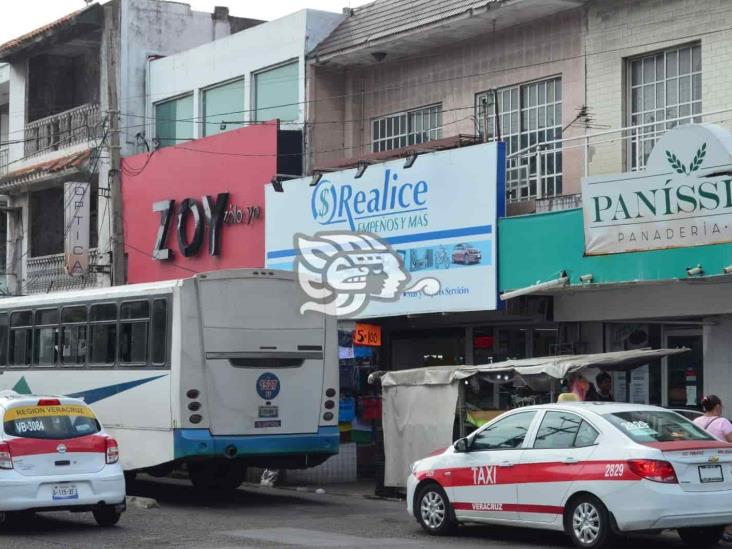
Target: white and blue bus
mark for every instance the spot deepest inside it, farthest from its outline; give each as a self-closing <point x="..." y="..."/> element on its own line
<point x="211" y="374"/>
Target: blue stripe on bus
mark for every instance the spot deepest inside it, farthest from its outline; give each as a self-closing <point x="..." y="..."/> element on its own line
<point x="200" y="442"/>
<point x="95" y="395"/>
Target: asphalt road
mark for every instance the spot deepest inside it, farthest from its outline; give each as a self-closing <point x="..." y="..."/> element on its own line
<point x="267" y="518"/>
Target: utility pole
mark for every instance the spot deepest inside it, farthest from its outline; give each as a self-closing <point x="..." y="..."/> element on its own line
<point x="115" y="171"/>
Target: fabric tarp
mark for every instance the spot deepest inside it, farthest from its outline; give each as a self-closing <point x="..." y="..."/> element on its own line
<point x="417" y="421"/>
<point x="555" y="367"/>
<point x="419" y="404"/>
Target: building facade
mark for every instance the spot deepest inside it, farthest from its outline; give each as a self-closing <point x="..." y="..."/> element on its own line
<point x="658" y="280"/>
<point x="250" y="77"/>
<point x="77" y="95"/>
<point x="576" y="91"/>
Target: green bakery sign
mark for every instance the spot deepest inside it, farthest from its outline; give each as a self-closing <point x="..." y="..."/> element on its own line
<point x="683" y="197"/>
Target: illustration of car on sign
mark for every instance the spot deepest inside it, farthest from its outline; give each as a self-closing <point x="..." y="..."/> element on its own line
<point x="465" y="254"/>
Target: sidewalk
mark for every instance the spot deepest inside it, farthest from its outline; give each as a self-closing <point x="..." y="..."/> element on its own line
<point x="361" y="489"/>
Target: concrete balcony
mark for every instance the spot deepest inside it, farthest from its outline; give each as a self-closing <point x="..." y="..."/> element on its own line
<point x="46" y="274"/>
<point x="52" y="133"/>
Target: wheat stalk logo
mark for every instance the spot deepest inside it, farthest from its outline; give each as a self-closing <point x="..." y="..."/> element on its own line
<point x="679" y="167"/>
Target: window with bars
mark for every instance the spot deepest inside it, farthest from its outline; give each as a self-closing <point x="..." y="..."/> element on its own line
<point x="406" y="128"/>
<point x="530" y="123"/>
<point x="664" y="90"/>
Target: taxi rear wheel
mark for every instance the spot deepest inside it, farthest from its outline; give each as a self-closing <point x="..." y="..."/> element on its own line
<point x="587" y="522"/>
<point x="701" y="536"/>
<point x="433" y="510"/>
<point x="106" y="516"/>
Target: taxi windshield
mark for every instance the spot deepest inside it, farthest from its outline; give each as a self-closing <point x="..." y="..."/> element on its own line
<point x="656" y="426"/>
<point x="50" y="422"/>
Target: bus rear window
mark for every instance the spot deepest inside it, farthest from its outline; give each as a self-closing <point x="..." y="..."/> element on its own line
<point x="656" y="426"/>
<point x="50" y="422"/>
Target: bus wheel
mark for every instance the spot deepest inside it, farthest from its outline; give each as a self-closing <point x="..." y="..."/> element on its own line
<point x="216" y="476"/>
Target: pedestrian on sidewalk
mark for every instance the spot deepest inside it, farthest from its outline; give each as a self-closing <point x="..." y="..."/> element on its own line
<point x="720" y="428"/>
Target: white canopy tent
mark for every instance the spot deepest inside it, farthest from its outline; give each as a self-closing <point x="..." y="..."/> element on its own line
<point x="419" y="404"/>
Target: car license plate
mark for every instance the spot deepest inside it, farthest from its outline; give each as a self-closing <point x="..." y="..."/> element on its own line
<point x="711" y="473"/>
<point x="268" y="411"/>
<point x="66" y="491"/>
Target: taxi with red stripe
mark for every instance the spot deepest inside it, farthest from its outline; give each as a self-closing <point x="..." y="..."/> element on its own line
<point x="55" y="455"/>
<point x="594" y="470"/>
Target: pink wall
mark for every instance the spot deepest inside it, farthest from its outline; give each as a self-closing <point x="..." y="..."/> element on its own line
<point x="238" y="162"/>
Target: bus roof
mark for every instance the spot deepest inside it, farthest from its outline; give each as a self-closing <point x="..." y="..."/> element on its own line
<point x="135" y="290"/>
<point x="110" y="292"/>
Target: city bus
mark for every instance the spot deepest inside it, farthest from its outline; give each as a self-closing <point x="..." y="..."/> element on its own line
<point x="209" y="374"/>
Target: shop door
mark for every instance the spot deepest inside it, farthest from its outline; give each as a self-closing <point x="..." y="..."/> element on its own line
<point x="685" y="372"/>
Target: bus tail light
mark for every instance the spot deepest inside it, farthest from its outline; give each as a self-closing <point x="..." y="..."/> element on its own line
<point x="655" y="470"/>
<point x="6" y="459"/>
<point x="112" y="451"/>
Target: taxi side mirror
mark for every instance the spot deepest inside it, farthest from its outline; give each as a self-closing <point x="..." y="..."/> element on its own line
<point x="462" y="445"/>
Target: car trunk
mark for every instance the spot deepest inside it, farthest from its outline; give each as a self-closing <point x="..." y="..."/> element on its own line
<point x="702" y="466"/>
<point x="36" y="457"/>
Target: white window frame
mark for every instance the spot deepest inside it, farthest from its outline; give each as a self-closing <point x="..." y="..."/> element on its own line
<point x="254" y="117"/>
<point x="530" y="113"/>
<point x="239" y="117"/>
<point x="664" y="93"/>
<point x="156" y="104"/>
<point x="406" y="128"/>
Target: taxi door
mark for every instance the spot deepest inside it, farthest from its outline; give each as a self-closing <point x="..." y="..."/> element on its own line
<point x="484" y="487"/>
<point x="564" y="442"/>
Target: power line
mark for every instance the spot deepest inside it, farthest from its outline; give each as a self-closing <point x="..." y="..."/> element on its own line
<point x="431" y="82"/>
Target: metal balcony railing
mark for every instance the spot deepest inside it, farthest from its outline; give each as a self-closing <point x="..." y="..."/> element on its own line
<point x="531" y="173"/>
<point x="62" y="130"/>
<point x="3" y="161"/>
<point x="46" y="274"/>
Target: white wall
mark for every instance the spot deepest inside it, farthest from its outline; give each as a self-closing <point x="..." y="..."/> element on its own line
<point x="153" y="28"/>
<point x="241" y="54"/>
<point x="16" y="110"/>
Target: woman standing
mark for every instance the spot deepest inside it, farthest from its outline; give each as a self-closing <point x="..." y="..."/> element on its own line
<point x="719" y="427"/>
<point x="712" y="421"/>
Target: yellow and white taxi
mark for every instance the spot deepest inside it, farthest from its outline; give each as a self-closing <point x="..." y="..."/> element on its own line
<point x="593" y="470"/>
<point x="54" y="455"/>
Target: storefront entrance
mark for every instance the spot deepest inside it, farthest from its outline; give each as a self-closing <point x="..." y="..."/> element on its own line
<point x="684" y="373"/>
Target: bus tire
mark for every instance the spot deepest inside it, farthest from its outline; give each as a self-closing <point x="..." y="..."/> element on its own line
<point x="216" y="476"/>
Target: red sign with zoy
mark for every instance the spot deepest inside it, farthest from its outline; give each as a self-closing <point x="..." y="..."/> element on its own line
<point x="198" y="206"/>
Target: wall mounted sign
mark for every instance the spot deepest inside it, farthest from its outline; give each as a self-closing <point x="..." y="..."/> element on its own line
<point x="683" y="198"/>
<point x="207" y="216"/>
<point x="77" y="197"/>
<point x="438" y="217"/>
<point x="198" y="207"/>
<point x="367" y="334"/>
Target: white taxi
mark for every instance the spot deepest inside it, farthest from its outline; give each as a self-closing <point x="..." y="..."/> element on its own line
<point x="55" y="456"/>
<point x="593" y="470"/>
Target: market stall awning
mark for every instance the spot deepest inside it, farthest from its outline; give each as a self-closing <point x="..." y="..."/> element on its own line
<point x="557" y="367"/>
